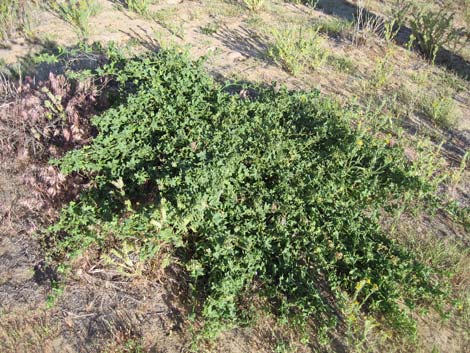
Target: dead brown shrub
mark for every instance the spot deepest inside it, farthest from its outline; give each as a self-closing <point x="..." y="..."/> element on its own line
<point x="43" y="120"/>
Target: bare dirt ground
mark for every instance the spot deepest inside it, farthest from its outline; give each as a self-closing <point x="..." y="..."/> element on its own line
<point x="96" y="311"/>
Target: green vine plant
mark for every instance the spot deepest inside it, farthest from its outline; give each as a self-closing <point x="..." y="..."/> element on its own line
<point x="275" y="194"/>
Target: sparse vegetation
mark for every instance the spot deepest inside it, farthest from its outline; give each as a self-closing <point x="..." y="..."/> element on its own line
<point x="441" y="109"/>
<point x="254" y="5"/>
<point x="433" y="30"/>
<point x="139" y="6"/>
<point x="335" y="27"/>
<point x="367" y="26"/>
<point x="28" y="333"/>
<point x="382" y="72"/>
<point x="15" y="15"/>
<point x="342" y="64"/>
<point x="210" y="29"/>
<point x="166" y="18"/>
<point x="77" y="13"/>
<point x="298" y="49"/>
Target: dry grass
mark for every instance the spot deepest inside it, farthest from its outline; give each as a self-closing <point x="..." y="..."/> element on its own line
<point x="17" y="16"/>
<point x="29" y="332"/>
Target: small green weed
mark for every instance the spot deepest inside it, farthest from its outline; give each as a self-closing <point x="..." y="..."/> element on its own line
<point x="421" y="76"/>
<point x="77" y="13"/>
<point x="397" y="17"/>
<point x="298" y="49"/>
<point x="312" y="3"/>
<point x="139" y="6"/>
<point x="451" y="81"/>
<point x="210" y="29"/>
<point x="441" y="109"/>
<point x="16" y="15"/>
<point x="167" y="18"/>
<point x="133" y="346"/>
<point x="124" y="344"/>
<point x="283" y="347"/>
<point x="383" y="71"/>
<point x="378" y="80"/>
<point x="56" y="292"/>
<point x="342" y="64"/>
<point x="125" y="260"/>
<point x="457" y="175"/>
<point x="335" y="27"/>
<point x="359" y="326"/>
<point x="225" y="8"/>
<point x="254" y="5"/>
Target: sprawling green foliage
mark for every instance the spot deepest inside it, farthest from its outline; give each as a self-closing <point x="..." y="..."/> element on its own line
<point x="270" y="193"/>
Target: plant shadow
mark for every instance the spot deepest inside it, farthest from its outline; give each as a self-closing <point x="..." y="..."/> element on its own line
<point x="244" y="41"/>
